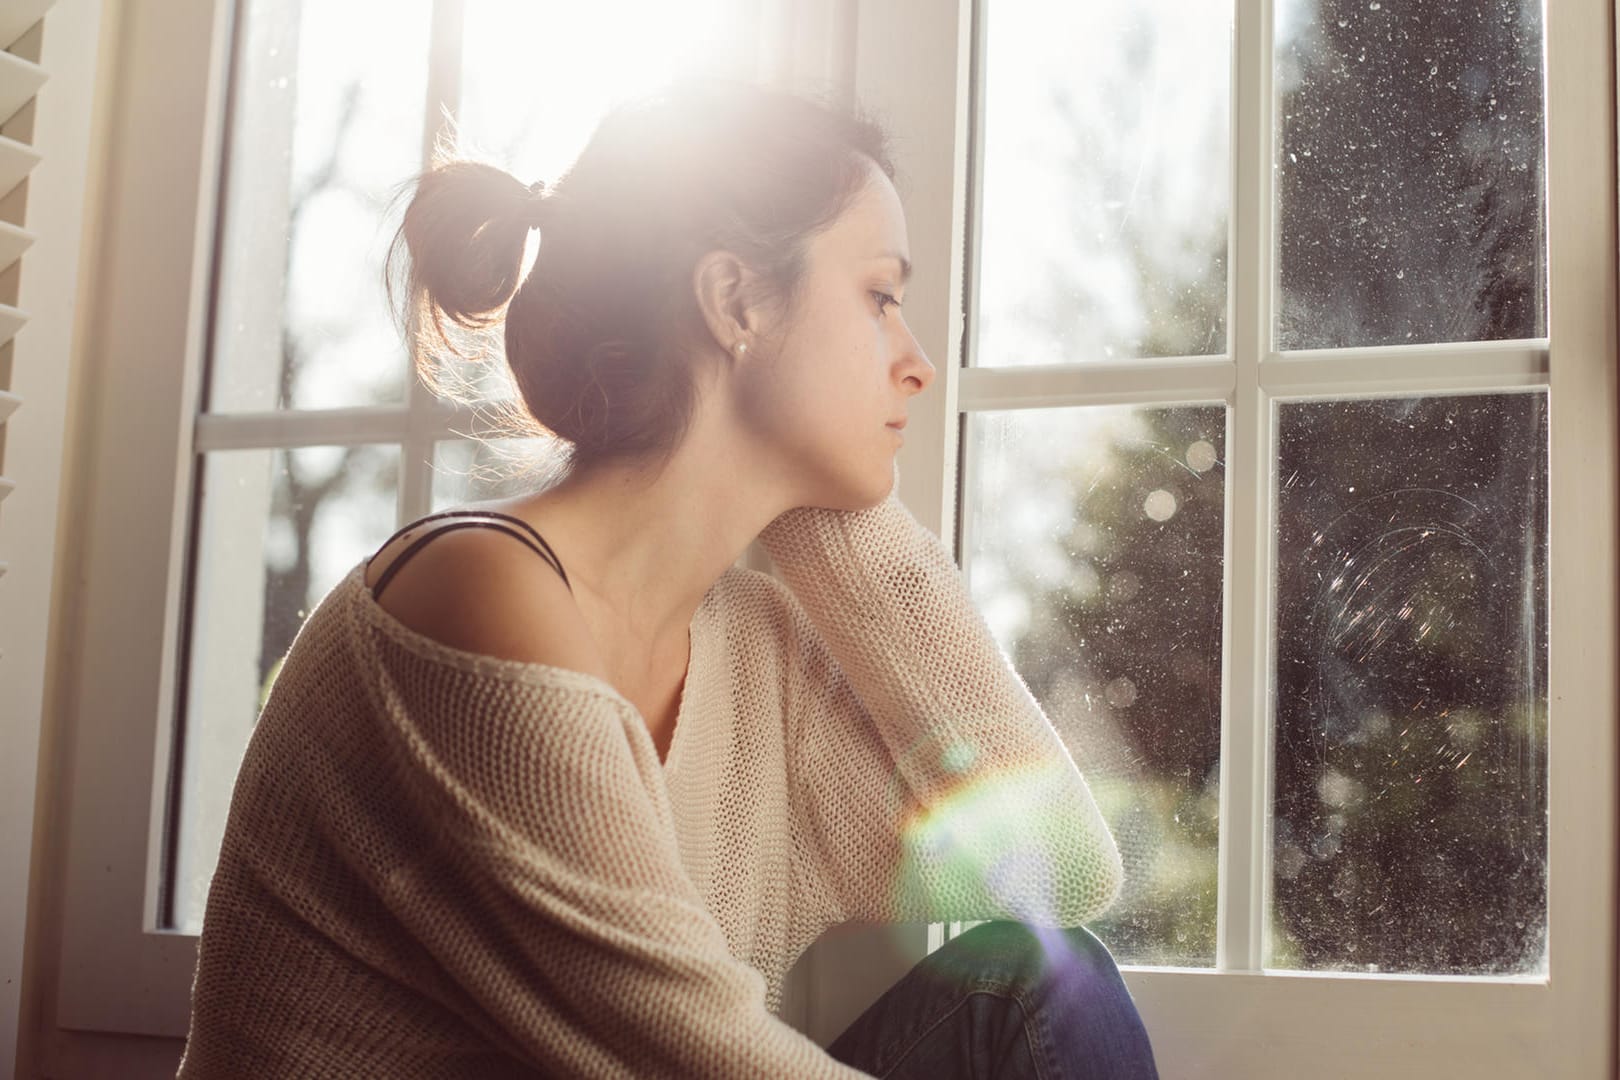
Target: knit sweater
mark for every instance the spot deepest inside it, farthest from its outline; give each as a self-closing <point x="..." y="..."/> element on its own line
<point x="440" y="864"/>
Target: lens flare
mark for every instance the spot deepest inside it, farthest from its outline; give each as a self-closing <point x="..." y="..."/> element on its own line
<point x="991" y="847"/>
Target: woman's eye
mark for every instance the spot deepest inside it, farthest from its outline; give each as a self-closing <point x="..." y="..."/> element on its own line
<point x="884" y="299"/>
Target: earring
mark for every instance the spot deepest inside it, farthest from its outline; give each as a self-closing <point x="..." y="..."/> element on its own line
<point x="742" y="347"/>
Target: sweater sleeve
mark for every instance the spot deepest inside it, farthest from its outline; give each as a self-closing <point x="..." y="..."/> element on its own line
<point x="931" y="784"/>
<point x="544" y="884"/>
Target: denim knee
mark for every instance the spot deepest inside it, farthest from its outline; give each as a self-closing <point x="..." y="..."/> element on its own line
<point x="1071" y="993"/>
<point x="1033" y="959"/>
<point x="1001" y="994"/>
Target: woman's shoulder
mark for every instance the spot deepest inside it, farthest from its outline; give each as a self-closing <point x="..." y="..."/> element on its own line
<point x="485" y="592"/>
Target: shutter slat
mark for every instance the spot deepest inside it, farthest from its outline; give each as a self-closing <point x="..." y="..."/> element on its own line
<point x="6" y="488"/>
<point x="14" y="240"/>
<point x="16" y="16"/>
<point x="19" y="81"/>
<point x="8" y="404"/>
<point x="17" y="160"/>
<point x="11" y="321"/>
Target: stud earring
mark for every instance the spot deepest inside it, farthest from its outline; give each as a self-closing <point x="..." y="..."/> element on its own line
<point x="742" y="347"/>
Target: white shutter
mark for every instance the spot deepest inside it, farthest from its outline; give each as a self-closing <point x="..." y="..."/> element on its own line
<point x="20" y="80"/>
<point x="31" y="440"/>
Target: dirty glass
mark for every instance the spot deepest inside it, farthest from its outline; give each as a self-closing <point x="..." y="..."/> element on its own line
<point x="1410" y="830"/>
<point x="1104" y="195"/>
<point x="279" y="528"/>
<point x="321" y="136"/>
<point x="1409" y="172"/>
<point x="1093" y="544"/>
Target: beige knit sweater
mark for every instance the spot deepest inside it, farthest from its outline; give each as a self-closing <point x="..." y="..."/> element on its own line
<point x="439" y="864"/>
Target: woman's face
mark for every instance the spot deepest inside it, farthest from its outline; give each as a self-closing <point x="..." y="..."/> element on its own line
<point x="832" y="396"/>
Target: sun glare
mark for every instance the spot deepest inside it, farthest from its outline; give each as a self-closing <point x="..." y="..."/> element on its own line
<point x="538" y="75"/>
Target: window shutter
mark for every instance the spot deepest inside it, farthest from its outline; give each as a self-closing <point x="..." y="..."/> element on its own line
<point x="20" y="80"/>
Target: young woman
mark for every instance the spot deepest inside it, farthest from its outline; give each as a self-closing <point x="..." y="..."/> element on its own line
<point x="553" y="788"/>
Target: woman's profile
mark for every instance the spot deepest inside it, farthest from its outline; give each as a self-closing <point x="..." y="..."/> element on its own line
<point x="551" y="787"/>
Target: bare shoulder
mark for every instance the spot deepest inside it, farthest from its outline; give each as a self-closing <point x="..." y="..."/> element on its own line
<point x="484" y="591"/>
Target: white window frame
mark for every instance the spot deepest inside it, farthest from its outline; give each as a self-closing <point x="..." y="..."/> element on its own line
<point x="1239" y="1019"/>
<point x="909" y="61"/>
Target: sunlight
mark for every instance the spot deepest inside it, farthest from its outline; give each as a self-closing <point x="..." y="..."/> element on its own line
<point x="538" y="75"/>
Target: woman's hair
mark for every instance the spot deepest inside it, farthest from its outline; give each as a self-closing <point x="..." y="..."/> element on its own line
<point x="599" y="333"/>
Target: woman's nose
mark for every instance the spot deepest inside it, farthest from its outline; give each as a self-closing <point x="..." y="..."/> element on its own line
<point x="916" y="372"/>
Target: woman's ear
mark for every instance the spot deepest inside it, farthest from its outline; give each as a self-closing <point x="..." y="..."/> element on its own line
<point x="725" y="290"/>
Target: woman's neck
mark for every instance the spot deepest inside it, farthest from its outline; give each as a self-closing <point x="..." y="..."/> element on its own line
<point x="642" y="543"/>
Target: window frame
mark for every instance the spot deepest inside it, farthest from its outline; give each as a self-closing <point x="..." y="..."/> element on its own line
<point x="155" y="282"/>
<point x="1204" y="1021"/>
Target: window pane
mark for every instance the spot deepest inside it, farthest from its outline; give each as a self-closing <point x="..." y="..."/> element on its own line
<point x="1411" y="685"/>
<point x="279" y="528"/>
<point x="322" y="134"/>
<point x="1409" y="173"/>
<point x="1094" y="540"/>
<point x="1104" y="192"/>
<point x="482" y="470"/>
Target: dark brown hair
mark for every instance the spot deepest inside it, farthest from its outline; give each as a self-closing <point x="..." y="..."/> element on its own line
<point x="597" y="335"/>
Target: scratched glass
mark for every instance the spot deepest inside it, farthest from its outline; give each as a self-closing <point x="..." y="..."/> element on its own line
<point x="1104" y="192"/>
<point x="1094" y="543"/>
<point x="1410" y="830"/>
<point x="1409" y="172"/>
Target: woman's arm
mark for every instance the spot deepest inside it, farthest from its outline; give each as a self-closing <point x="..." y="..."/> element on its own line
<point x="933" y="785"/>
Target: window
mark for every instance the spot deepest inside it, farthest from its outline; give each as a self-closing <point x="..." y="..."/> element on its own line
<point x="1406" y="564"/>
<point x="1328" y="382"/>
<point x="314" y="438"/>
<point x="1174" y="377"/>
<point x="275" y="434"/>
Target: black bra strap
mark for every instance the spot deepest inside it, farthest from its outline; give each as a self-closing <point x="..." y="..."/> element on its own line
<point x="529" y="537"/>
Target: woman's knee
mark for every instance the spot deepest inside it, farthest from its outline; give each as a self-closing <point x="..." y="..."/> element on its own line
<point x="1035" y="952"/>
<point x="1065" y="975"/>
<point x="1068" y="987"/>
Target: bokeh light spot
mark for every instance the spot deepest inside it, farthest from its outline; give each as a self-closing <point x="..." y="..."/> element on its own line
<point x="1160" y="505"/>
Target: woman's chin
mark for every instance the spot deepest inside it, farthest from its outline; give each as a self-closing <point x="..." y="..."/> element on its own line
<point x="852" y="493"/>
<point x="874" y="490"/>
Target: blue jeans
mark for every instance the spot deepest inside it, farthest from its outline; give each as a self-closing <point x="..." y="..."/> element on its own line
<point x="1004" y="1000"/>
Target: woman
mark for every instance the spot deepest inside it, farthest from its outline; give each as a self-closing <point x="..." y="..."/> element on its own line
<point x="552" y="788"/>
